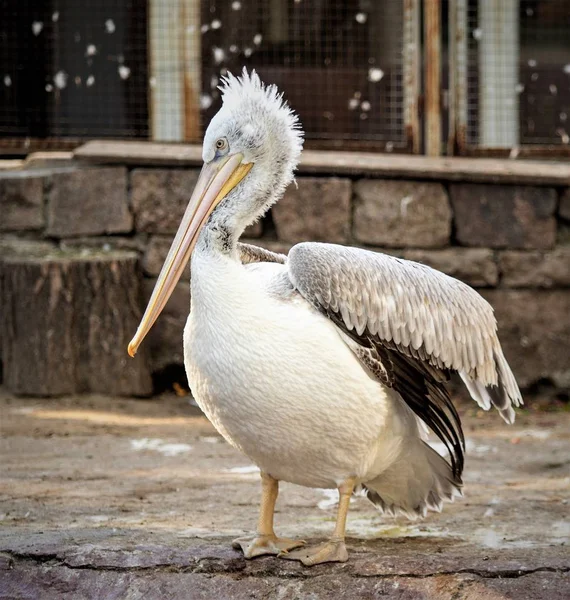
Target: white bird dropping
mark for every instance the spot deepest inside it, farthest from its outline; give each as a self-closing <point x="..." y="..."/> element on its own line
<point x="124" y="72"/>
<point x="218" y="54"/>
<point x="60" y="80"/>
<point x="205" y="101"/>
<point x="375" y="74"/>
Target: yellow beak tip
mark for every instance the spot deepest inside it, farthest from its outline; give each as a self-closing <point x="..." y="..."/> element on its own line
<point x="132" y="350"/>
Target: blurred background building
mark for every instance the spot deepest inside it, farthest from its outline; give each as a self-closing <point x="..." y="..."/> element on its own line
<point x="438" y="77"/>
<point x="422" y="118"/>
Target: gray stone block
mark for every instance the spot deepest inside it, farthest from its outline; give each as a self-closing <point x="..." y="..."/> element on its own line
<point x="159" y="197"/>
<point x="534" y="330"/>
<point x="21" y="201"/>
<point x="536" y="269"/>
<point x="318" y="210"/>
<point x="90" y="201"/>
<point x="155" y="254"/>
<point x="564" y="210"/>
<point x="475" y="266"/>
<point x="401" y="213"/>
<point x="504" y="216"/>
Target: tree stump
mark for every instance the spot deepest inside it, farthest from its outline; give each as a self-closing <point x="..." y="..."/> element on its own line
<point x="66" y="317"/>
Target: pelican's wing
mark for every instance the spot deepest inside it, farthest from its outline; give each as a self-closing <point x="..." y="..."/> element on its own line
<point x="249" y="253"/>
<point x="415" y="323"/>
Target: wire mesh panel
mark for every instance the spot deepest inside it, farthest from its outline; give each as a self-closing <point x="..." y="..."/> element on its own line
<point x="73" y="69"/>
<point x="545" y="72"/>
<point x="339" y="62"/>
<point x="150" y="69"/>
<point x="517" y="74"/>
<point x="126" y="68"/>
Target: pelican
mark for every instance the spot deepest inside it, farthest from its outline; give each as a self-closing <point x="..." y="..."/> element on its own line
<point x="326" y="367"/>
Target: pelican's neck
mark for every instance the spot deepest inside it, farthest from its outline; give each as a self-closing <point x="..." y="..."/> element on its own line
<point x="217" y="239"/>
<point x="216" y="271"/>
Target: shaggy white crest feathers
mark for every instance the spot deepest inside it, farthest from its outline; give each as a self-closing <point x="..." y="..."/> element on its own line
<point x="247" y="96"/>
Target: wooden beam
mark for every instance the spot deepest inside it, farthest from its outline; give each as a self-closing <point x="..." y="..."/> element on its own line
<point x="354" y="164"/>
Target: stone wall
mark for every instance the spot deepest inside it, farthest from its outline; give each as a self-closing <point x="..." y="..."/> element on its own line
<point x="510" y="241"/>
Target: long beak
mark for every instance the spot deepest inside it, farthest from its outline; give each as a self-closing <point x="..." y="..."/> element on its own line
<point x="216" y="180"/>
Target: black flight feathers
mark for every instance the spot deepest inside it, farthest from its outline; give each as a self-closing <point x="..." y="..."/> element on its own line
<point x="421" y="386"/>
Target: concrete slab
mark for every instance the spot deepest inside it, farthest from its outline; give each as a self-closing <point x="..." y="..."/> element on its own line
<point x="114" y="498"/>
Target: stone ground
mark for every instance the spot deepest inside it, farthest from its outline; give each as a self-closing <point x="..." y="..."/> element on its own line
<point x="111" y="498"/>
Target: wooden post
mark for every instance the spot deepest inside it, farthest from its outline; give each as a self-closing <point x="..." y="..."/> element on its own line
<point x="412" y="53"/>
<point x="457" y="136"/>
<point x="66" y="318"/>
<point x="432" y="41"/>
<point x="192" y="42"/>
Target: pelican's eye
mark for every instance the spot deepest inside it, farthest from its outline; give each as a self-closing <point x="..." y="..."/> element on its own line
<point x="221" y="146"/>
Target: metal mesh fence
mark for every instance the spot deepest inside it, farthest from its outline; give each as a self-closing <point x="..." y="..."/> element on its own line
<point x="149" y="69"/>
<point x="120" y="68"/>
<point x="73" y="69"/>
<point x="518" y="73"/>
<point x="340" y="63"/>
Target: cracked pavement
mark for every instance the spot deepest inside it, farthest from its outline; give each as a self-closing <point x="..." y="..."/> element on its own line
<point x="118" y="498"/>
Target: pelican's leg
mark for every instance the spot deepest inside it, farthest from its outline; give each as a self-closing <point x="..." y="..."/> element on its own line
<point x="266" y="542"/>
<point x="334" y="550"/>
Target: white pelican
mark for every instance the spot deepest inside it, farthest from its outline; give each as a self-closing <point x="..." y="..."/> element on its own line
<point x="325" y="367"/>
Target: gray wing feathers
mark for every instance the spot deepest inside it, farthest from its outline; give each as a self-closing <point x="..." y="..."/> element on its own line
<point x="424" y="313"/>
<point x="248" y="253"/>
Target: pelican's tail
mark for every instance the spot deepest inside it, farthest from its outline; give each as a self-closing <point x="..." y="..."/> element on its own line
<point x="420" y="480"/>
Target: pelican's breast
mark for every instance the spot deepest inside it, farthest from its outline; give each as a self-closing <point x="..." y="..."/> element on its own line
<point x="275" y="378"/>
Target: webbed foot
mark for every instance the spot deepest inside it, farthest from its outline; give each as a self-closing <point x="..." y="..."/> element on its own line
<point x="331" y="551"/>
<point x="261" y="545"/>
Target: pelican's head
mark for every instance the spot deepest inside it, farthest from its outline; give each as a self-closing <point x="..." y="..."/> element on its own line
<point x="250" y="151"/>
<point x="256" y="126"/>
